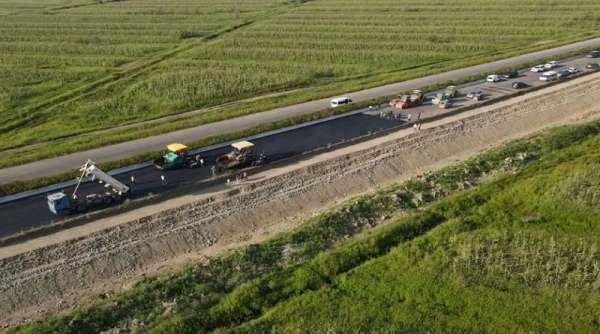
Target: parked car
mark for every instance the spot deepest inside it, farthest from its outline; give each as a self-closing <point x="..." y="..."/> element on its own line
<point x="592" y="66"/>
<point x="494" y="78"/>
<point x="519" y="85"/>
<point x="510" y="75"/>
<point x="475" y="95"/>
<point x="549" y="76"/>
<point x="594" y="54"/>
<point x="538" y="68"/>
<point x="564" y="74"/>
<point x="550" y="65"/>
<point x="573" y="70"/>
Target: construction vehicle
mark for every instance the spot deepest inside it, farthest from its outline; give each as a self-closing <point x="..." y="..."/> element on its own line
<point x="451" y="91"/>
<point x="442" y="100"/>
<point x="61" y="204"/>
<point x="409" y="101"/>
<point x="177" y="157"/>
<point x="241" y="156"/>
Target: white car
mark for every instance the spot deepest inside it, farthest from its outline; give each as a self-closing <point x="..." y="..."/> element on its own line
<point x="340" y="101"/>
<point x="493" y="78"/>
<point x="551" y="65"/>
<point x="572" y="70"/>
<point x="549" y="76"/>
<point x="538" y="68"/>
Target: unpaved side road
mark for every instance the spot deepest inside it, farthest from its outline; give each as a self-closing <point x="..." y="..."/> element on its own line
<point x="53" y="273"/>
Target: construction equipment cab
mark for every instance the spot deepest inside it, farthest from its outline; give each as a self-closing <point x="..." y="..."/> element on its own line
<point x="340" y="101"/>
<point x="408" y="101"/>
<point x="115" y="192"/>
<point x="177" y="156"/>
<point x="242" y="155"/>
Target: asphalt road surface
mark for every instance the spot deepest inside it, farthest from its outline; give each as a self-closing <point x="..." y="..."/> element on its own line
<point x="65" y="163"/>
<point x="33" y="211"/>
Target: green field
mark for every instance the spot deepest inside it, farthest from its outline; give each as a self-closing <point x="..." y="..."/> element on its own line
<point x="69" y="68"/>
<point x="507" y="242"/>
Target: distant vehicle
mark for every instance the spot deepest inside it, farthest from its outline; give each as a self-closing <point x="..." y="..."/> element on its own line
<point x="452" y="91"/>
<point x="538" y="68"/>
<point x="549" y="76"/>
<point x="519" y="85"/>
<point x="475" y="96"/>
<point x="592" y="66"/>
<point x="594" y="54"/>
<point x="550" y="65"/>
<point x="510" y="75"/>
<point x="573" y="70"/>
<point x="442" y="100"/>
<point x="340" y="101"/>
<point x="409" y="101"/>
<point x="494" y="78"/>
<point x="564" y="74"/>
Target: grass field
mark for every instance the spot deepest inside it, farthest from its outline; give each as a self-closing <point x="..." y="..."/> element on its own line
<point x="506" y="242"/>
<point x="68" y="68"/>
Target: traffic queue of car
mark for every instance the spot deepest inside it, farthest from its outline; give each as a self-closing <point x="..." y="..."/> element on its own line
<point x="548" y="72"/>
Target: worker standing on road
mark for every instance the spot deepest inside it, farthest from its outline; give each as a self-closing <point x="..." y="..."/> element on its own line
<point x="132" y="180"/>
<point x="213" y="170"/>
<point x="201" y="162"/>
<point x="163" y="180"/>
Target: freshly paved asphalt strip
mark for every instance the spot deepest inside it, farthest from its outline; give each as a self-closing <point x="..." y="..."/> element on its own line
<point x="33" y="211"/>
<point x="68" y="162"/>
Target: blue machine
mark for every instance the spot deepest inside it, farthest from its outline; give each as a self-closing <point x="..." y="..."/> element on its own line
<point x="58" y="203"/>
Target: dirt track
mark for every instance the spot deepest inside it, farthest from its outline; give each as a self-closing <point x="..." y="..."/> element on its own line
<point x="54" y="272"/>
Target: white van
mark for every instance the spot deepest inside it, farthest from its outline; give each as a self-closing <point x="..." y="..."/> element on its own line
<point x="549" y="76"/>
<point x="340" y="101"/>
<point x="493" y="78"/>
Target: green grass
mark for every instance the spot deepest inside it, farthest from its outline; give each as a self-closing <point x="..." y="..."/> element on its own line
<point x="517" y="253"/>
<point x="68" y="70"/>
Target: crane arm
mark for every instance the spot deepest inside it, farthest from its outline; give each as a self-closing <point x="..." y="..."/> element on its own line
<point x="90" y="168"/>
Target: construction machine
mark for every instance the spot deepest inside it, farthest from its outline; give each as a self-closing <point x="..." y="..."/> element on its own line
<point x="61" y="204"/>
<point x="177" y="157"/>
<point x="408" y="101"/>
<point x="242" y="155"/>
<point x="442" y="100"/>
<point x="452" y="91"/>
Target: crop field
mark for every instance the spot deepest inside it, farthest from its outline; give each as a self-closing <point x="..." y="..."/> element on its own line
<point x="68" y="68"/>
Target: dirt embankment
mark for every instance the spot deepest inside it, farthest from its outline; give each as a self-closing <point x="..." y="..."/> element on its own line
<point x="107" y="254"/>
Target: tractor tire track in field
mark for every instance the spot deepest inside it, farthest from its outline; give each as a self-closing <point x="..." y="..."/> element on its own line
<point x="128" y="71"/>
<point x="132" y="72"/>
